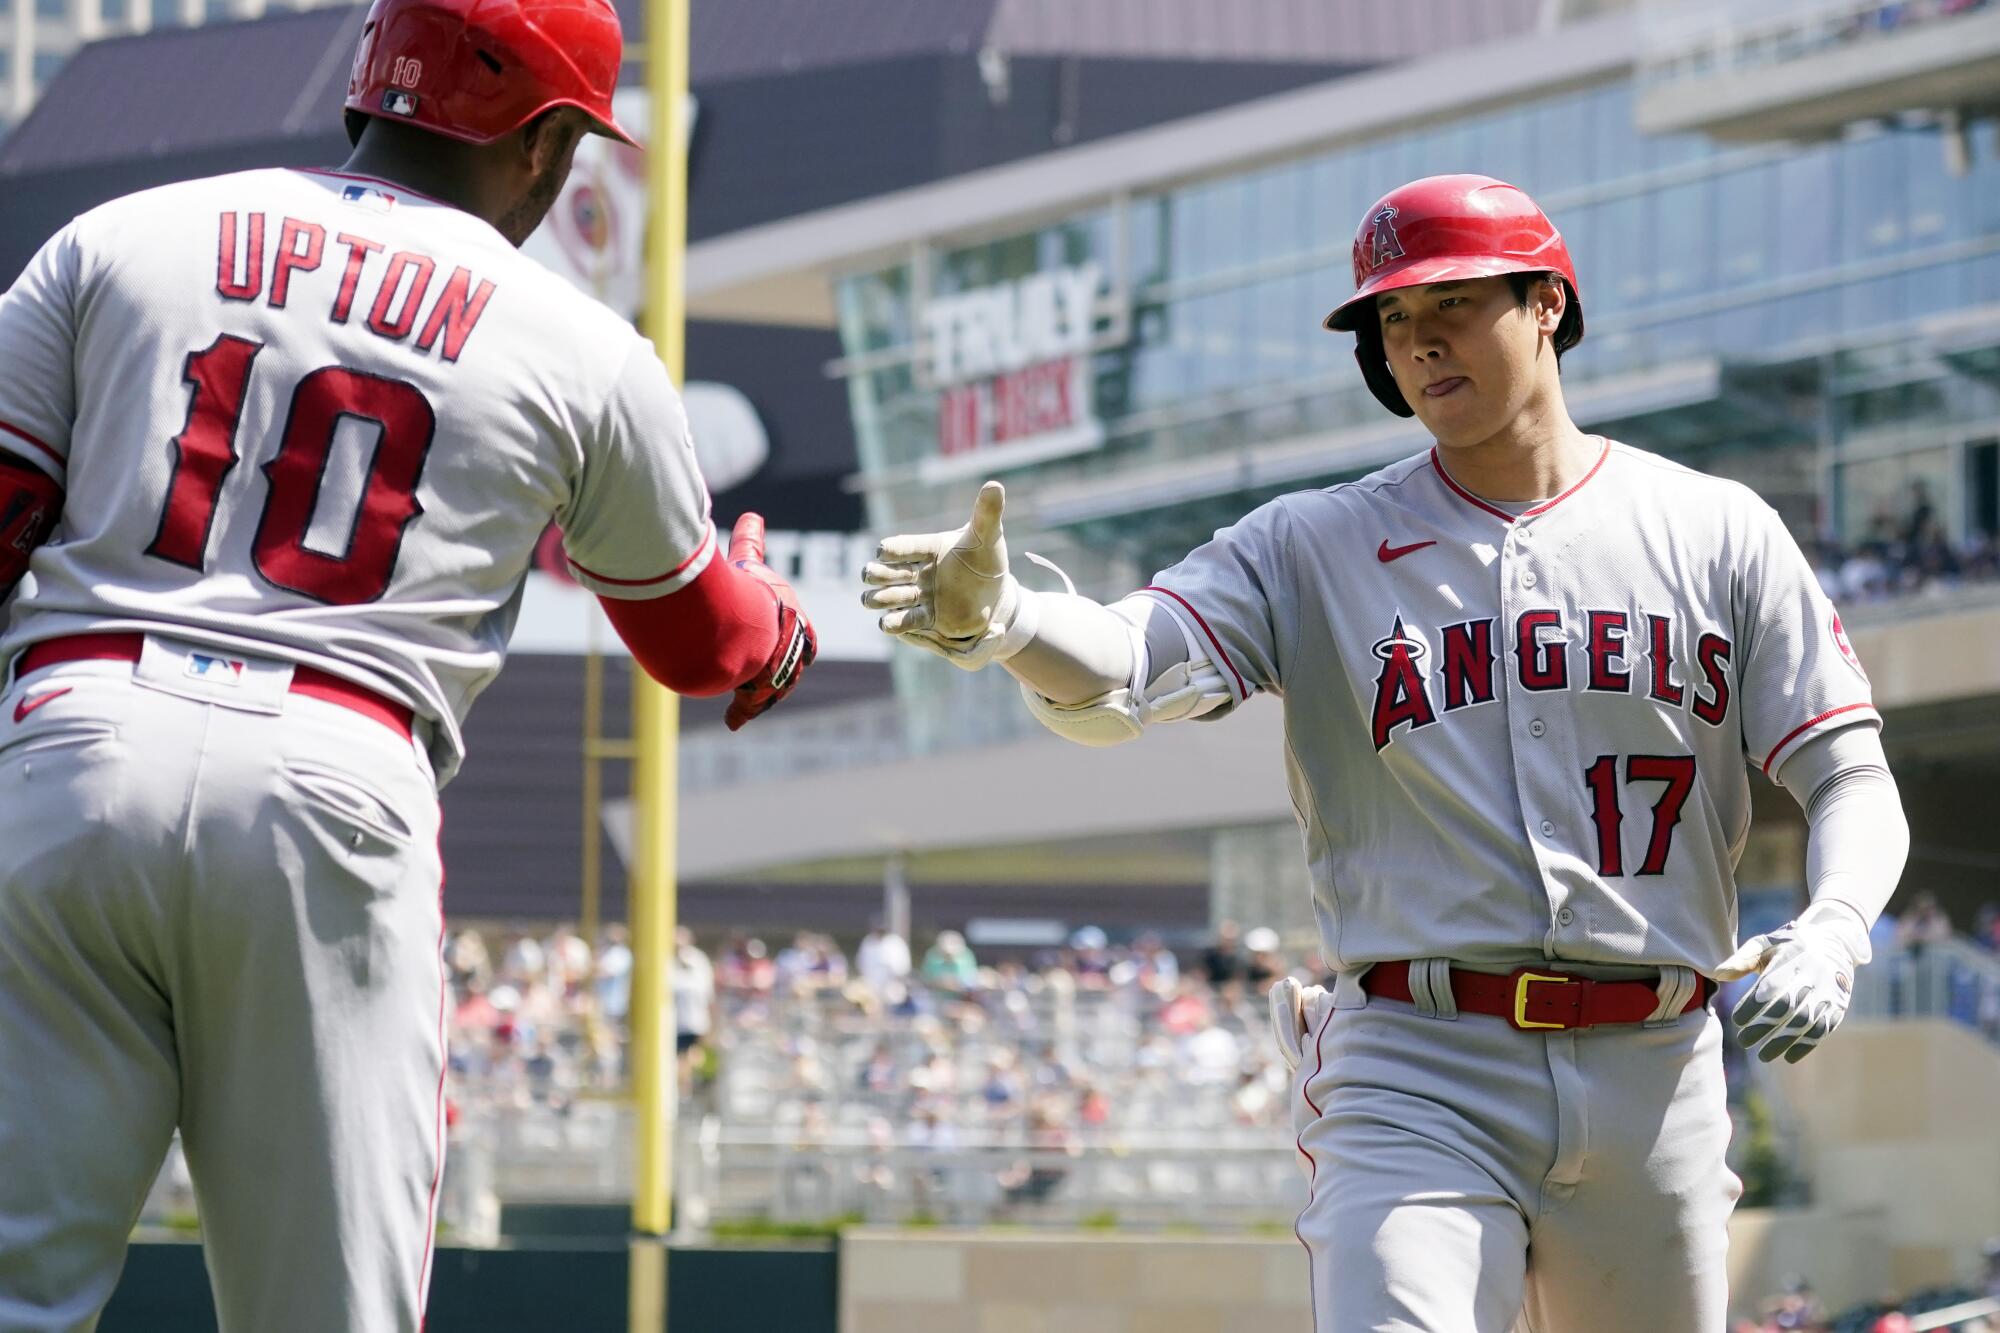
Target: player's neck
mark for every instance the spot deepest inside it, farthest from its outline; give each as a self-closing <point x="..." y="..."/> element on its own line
<point x="438" y="179"/>
<point x="1540" y="453"/>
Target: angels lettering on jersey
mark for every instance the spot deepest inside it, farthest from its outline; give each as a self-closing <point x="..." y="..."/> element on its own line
<point x="1412" y="693"/>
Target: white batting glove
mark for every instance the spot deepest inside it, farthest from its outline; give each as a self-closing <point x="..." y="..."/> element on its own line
<point x="950" y="592"/>
<point x="1296" y="1010"/>
<point x="1807" y="979"/>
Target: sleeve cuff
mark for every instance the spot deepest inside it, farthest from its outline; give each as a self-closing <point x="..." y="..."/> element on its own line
<point x="1182" y="610"/>
<point x="1831" y="719"/>
<point x="635" y="590"/>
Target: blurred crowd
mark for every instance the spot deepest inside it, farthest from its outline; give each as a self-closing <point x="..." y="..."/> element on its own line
<point x="1057" y="1047"/>
<point x="1797" y="1308"/>
<point x="1904" y="555"/>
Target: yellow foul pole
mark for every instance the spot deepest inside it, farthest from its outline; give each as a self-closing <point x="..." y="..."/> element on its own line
<point x="656" y="712"/>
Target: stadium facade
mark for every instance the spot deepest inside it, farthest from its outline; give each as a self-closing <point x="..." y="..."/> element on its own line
<point x="1127" y="333"/>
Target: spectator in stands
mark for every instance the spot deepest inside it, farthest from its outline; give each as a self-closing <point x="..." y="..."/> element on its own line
<point x="1924" y="922"/>
<point x="1089" y="962"/>
<point x="949" y="964"/>
<point x="1263" y="966"/>
<point x="880" y="1074"/>
<point x="614" y="975"/>
<point x="1986" y="926"/>
<point x="747" y="967"/>
<point x="1033" y="1180"/>
<point x="882" y="958"/>
<point x="1797" y="1309"/>
<point x="1223" y="963"/>
<point x="694" y="1001"/>
<point x="1159" y="971"/>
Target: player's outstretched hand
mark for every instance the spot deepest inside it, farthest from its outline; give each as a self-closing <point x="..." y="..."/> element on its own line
<point x="797" y="644"/>
<point x="949" y="591"/>
<point x="1806" y="979"/>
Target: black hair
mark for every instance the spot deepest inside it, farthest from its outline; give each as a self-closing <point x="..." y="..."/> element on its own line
<point x="1569" y="332"/>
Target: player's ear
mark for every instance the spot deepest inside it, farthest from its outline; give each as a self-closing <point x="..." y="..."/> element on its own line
<point x="548" y="137"/>
<point x="1549" y="302"/>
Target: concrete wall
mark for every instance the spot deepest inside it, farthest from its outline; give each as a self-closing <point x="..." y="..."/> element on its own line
<point x="998" y="1282"/>
<point x="1901" y="1116"/>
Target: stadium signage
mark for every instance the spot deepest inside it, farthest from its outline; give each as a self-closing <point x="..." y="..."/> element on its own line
<point x="1012" y="363"/>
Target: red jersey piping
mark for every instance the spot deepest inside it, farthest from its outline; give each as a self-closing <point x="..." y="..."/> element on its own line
<point x="1806" y="726"/>
<point x="1437" y="465"/>
<point x="1242" y="690"/>
<point x="707" y="540"/>
<point x="46" y="448"/>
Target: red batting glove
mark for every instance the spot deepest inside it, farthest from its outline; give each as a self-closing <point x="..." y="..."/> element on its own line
<point x="797" y="644"/>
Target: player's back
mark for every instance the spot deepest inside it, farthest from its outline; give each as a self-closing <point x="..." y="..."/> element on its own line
<point x="320" y="414"/>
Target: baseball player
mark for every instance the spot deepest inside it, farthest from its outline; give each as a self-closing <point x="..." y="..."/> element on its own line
<point x="275" y="451"/>
<point x="1522" y="674"/>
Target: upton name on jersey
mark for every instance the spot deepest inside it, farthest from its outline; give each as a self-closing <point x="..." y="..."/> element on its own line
<point x="1515" y="737"/>
<point x="341" y="415"/>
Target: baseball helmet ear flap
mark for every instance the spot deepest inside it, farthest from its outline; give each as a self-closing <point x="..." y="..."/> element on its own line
<point x="1374" y="363"/>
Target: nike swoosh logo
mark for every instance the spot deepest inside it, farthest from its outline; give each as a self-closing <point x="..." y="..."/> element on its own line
<point x="27" y="706"/>
<point x="1385" y="552"/>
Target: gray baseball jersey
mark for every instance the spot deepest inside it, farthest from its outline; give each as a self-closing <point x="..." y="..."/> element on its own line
<point x="324" y="416"/>
<point x="304" y="422"/>
<point x="1518" y="736"/>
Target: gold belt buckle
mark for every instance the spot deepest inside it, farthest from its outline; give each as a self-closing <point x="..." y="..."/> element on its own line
<point x="1522" y="981"/>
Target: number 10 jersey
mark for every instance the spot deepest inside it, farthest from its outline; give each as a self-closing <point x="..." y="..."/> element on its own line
<point x="326" y="418"/>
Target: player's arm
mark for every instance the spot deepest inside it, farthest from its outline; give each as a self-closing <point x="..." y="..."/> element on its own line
<point x="30" y="501"/>
<point x="1856" y="842"/>
<point x="1808" y="718"/>
<point x="1094" y="674"/>
<point x="637" y="533"/>
<point x="37" y="400"/>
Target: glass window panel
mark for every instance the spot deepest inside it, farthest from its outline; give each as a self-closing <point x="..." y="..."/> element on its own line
<point x="1500" y="146"/>
<point x="1872" y="184"/>
<point x="1616" y="239"/>
<point x="1335" y="196"/>
<point x="1685" y="240"/>
<point x="50" y="9"/>
<point x="1278" y="336"/>
<point x="1147" y="221"/>
<point x="46" y="65"/>
<point x="114" y="11"/>
<point x="166" y="13"/>
<point x="1982" y="184"/>
<point x="1616" y="146"/>
<point x="1562" y="133"/>
<point x="1743" y="216"/>
<point x="1807" y="221"/>
<point x="215" y="10"/>
<point x="1806" y="318"/>
<point x="1278" y="221"/>
<point x="1939" y="207"/>
<point x="1874" y="306"/>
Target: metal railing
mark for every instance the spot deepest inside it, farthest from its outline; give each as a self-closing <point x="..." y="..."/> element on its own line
<point x="1952" y="979"/>
<point x="1681" y="40"/>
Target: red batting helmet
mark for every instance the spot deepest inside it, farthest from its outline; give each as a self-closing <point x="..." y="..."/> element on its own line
<point x="1443" y="229"/>
<point x="477" y="69"/>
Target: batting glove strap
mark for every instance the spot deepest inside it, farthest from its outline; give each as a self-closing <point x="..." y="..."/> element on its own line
<point x="1016" y="620"/>
<point x="797" y="646"/>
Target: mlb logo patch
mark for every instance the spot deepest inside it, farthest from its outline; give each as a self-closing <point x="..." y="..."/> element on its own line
<point x="368" y="197"/>
<point x="221" y="670"/>
<point x="399" y="103"/>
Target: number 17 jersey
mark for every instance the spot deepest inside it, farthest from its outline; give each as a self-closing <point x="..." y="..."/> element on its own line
<point x="326" y="418"/>
<point x="1524" y="736"/>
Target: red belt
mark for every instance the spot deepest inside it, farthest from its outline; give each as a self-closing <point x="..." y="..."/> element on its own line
<point x="1539" y="1001"/>
<point x="309" y="681"/>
